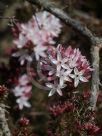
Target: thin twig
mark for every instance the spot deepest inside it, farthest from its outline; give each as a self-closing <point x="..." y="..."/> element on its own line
<point x="95" y="76"/>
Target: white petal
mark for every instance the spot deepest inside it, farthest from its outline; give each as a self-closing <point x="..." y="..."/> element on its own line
<point x="54" y="61"/>
<point x="72" y="75"/>
<point x="83" y="79"/>
<point x="59" y="58"/>
<point x="76" y="71"/>
<point x="36" y="56"/>
<point x="51" y="72"/>
<point x="67" y="79"/>
<point x="20" y="106"/>
<point x="51" y="92"/>
<point x="59" y="92"/>
<point x="27" y="104"/>
<point x="65" y="60"/>
<point x="68" y="72"/>
<point x="61" y="81"/>
<point x="65" y="66"/>
<point x="49" y="85"/>
<point x="58" y="69"/>
<point x="59" y="45"/>
<point x="76" y="82"/>
<point x="22" y="62"/>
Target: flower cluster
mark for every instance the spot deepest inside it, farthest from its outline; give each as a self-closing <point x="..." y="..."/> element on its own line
<point x="23" y="91"/>
<point x="60" y="108"/>
<point x="73" y="114"/>
<point x="63" y="66"/>
<point x="36" y="35"/>
<point x="22" y="127"/>
<point x="90" y="128"/>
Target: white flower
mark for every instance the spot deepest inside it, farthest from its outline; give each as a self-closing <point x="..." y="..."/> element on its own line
<point x="23" y="102"/>
<point x="23" y="55"/>
<point x="24" y="80"/>
<point x="55" y="88"/>
<point x="21" y="41"/>
<point x="49" y="23"/>
<point x="39" y="51"/>
<point x="60" y="62"/>
<point x="78" y="76"/>
<point x="64" y="76"/>
<point x="42" y="28"/>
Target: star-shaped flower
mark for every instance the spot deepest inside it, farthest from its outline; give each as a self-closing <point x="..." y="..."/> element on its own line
<point x="60" y="62"/>
<point x="55" y="88"/>
<point x="64" y="76"/>
<point x="78" y="76"/>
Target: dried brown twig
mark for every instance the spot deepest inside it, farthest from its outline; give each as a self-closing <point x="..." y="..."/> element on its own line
<point x="96" y="42"/>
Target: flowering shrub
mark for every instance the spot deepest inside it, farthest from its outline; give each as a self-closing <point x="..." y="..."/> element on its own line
<point x="42" y="62"/>
<point x="60" y="69"/>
